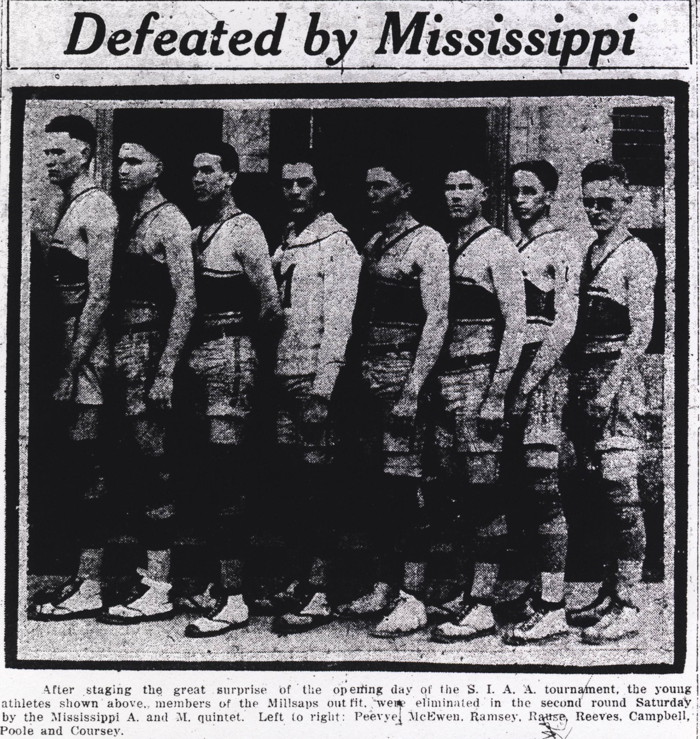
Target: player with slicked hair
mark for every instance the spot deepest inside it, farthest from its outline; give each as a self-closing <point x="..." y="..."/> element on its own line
<point x="614" y="329"/>
<point x="236" y="299"/>
<point x="407" y="287"/>
<point x="318" y="268"/>
<point x="551" y="262"/>
<point x="483" y="345"/>
<point x="80" y="260"/>
<point x="153" y="305"/>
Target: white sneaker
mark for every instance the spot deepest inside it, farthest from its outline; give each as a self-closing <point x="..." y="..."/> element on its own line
<point x="153" y="604"/>
<point x="231" y="612"/>
<point x="475" y="620"/>
<point x="621" y="621"/>
<point x="198" y="602"/>
<point x="368" y="605"/>
<point x="77" y="599"/>
<point x="407" y="615"/>
<point x="541" y="627"/>
<point x="316" y="612"/>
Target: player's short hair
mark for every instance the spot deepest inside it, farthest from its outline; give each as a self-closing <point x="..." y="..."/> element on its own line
<point x="474" y="170"/>
<point x="541" y="168"/>
<point x="76" y="127"/>
<point x="398" y="166"/>
<point x="304" y="156"/>
<point x="226" y="153"/>
<point x="604" y="169"/>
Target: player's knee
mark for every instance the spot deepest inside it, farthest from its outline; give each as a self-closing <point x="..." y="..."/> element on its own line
<point x="85" y="424"/>
<point x="555" y="526"/>
<point x="619" y="465"/>
<point x="541" y="457"/>
<point x="225" y="431"/>
<point x="149" y="437"/>
<point x="482" y="468"/>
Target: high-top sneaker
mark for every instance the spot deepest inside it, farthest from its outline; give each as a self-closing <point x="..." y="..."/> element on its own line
<point x="316" y="612"/>
<point x="76" y="598"/>
<point x="229" y="613"/>
<point x="592" y="612"/>
<point x="620" y="621"/>
<point x="370" y="604"/>
<point x="407" y="615"/>
<point x="151" y="604"/>
<point x="474" y="620"/>
<point x="545" y="624"/>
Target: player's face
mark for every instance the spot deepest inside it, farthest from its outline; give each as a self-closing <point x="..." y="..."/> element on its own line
<point x="464" y="195"/>
<point x="138" y="168"/>
<point x="605" y="203"/>
<point x="528" y="197"/>
<point x="386" y="194"/>
<point x="209" y="181"/>
<point x="300" y="188"/>
<point x="65" y="156"/>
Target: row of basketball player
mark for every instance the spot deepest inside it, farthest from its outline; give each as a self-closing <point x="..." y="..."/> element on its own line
<point x="490" y="319"/>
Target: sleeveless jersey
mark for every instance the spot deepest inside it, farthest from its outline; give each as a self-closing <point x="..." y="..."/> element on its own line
<point x="67" y="255"/>
<point x="225" y="297"/>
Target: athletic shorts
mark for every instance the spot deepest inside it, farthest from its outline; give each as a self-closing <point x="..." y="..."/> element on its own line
<point x="136" y="358"/>
<point x="385" y="376"/>
<point x="617" y="434"/>
<point x="315" y="443"/>
<point x="461" y="448"/>
<point x="539" y="434"/>
<point x="91" y="374"/>
<point x="223" y="373"/>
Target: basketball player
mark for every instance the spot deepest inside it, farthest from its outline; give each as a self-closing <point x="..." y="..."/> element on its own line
<point x="407" y="284"/>
<point x="613" y="332"/>
<point x="484" y="342"/>
<point x="80" y="261"/>
<point x="551" y="267"/>
<point x="318" y="270"/>
<point x="153" y="298"/>
<point x="236" y="297"/>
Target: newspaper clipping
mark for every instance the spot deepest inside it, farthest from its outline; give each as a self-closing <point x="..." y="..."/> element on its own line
<point x="351" y="368"/>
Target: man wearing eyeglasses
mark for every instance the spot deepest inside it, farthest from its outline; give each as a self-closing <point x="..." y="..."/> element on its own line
<point x="614" y="329"/>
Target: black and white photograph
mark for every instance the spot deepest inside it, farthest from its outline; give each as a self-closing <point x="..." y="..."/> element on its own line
<point x="366" y="378"/>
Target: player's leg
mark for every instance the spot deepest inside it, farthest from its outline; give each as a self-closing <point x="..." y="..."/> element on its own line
<point x="477" y="470"/>
<point x="226" y="368"/>
<point x="619" y="450"/>
<point x="545" y="521"/>
<point x="150" y="496"/>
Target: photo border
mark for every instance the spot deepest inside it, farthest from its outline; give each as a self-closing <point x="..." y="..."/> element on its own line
<point x="675" y="89"/>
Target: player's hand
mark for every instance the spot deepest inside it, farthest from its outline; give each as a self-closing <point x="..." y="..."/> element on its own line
<point x="519" y="405"/>
<point x="316" y="410"/>
<point x="161" y="394"/>
<point x="491" y="416"/>
<point x="65" y="389"/>
<point x="599" y="407"/>
<point x="403" y="414"/>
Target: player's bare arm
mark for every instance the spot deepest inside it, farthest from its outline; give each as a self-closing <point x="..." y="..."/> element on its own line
<point x="99" y="234"/>
<point x="640" y="302"/>
<point x="435" y="293"/>
<point x="560" y="333"/>
<point x="178" y="256"/>
<point x="507" y="277"/>
<point x="254" y="257"/>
